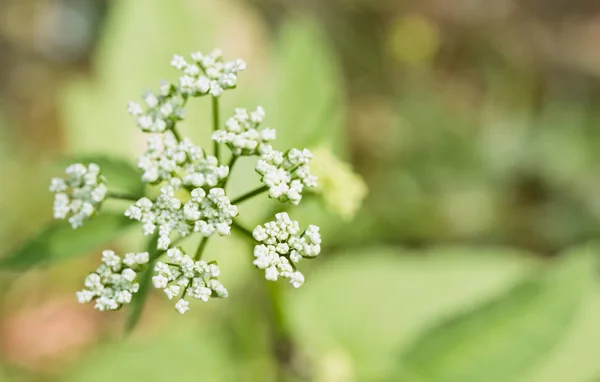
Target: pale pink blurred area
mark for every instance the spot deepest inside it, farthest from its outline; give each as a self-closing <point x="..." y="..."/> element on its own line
<point x="48" y="336"/>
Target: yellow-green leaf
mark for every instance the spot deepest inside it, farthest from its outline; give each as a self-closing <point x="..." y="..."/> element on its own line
<point x="58" y="241"/>
<point x="502" y="339"/>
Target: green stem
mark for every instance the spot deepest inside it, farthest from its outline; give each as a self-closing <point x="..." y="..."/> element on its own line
<point x="123" y="196"/>
<point x="176" y="133"/>
<point x="200" y="249"/>
<point x="283" y="345"/>
<point x="249" y="195"/>
<point x="244" y="231"/>
<point x="139" y="301"/>
<point x="215" y="111"/>
<point x="232" y="161"/>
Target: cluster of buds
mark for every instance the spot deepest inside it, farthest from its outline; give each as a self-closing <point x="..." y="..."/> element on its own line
<point x="242" y="134"/>
<point x="285" y="174"/>
<point x="114" y="282"/>
<point x="207" y="74"/>
<point x="80" y="195"/>
<point x="283" y="246"/>
<point x="181" y="276"/>
<point x="205" y="213"/>
<point x="179" y="163"/>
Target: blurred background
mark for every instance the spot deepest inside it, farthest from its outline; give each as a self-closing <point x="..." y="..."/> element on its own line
<point x="473" y="123"/>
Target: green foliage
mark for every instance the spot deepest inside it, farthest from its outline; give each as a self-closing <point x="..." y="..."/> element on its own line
<point x="368" y="302"/>
<point x="181" y="352"/>
<point x="145" y="280"/>
<point x="460" y="314"/>
<point x="576" y="357"/>
<point x="307" y="104"/>
<point x="58" y="241"/>
<point x="95" y="110"/>
<point x="503" y="338"/>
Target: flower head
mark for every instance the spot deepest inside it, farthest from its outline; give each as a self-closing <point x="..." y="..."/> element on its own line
<point x="207" y="213"/>
<point x="342" y="189"/>
<point x="207" y="73"/>
<point x="182" y="277"/>
<point x="286" y="174"/>
<point x="283" y="246"/>
<point x="113" y="283"/>
<point x="80" y="194"/>
<point x="242" y="134"/>
<point x="179" y="163"/>
<point x="162" y="110"/>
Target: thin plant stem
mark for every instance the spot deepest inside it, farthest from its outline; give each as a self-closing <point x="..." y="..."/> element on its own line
<point x="283" y="345"/>
<point x="232" y="161"/>
<point x="249" y="195"/>
<point x="176" y="133"/>
<point x="215" y="112"/>
<point x="244" y="231"/>
<point x="200" y="249"/>
<point x="123" y="196"/>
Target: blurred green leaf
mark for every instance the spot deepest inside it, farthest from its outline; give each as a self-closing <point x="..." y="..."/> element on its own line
<point x="367" y="302"/>
<point x="58" y="241"/>
<point x="138" y="301"/>
<point x="307" y="107"/>
<point x="576" y="357"/>
<point x="120" y="174"/>
<point x="504" y="338"/>
<point x="181" y="352"/>
<point x="94" y="111"/>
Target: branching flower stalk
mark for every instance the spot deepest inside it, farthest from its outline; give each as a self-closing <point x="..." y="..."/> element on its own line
<point x="193" y="198"/>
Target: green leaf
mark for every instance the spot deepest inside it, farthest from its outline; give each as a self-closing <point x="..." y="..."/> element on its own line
<point x="59" y="242"/>
<point x="307" y="108"/>
<point x="120" y="174"/>
<point x="139" y="299"/>
<point x="182" y="351"/>
<point x="94" y="111"/>
<point x="501" y="340"/>
<point x="366" y="303"/>
<point x="576" y="357"/>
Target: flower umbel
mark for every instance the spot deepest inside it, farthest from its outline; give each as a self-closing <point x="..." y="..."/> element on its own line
<point x="179" y="163"/>
<point x="114" y="282"/>
<point x="286" y="174"/>
<point x="188" y="195"/>
<point x="283" y="246"/>
<point x="242" y="134"/>
<point x="181" y="277"/>
<point x="205" y="213"/>
<point x="80" y="194"/>
<point x="342" y="189"/>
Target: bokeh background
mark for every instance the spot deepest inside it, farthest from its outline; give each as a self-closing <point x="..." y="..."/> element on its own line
<point x="474" y="123"/>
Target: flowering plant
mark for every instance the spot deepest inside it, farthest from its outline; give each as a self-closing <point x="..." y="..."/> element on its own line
<point x="193" y="197"/>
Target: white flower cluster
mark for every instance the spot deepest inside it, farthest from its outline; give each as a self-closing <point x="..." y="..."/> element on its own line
<point x="204" y="213"/>
<point x="283" y="246"/>
<point x="192" y="198"/>
<point x="242" y="134"/>
<point x="193" y="279"/>
<point x="179" y="163"/>
<point x="163" y="110"/>
<point x="212" y="212"/>
<point x="286" y="174"/>
<point x="113" y="283"/>
<point x="207" y="74"/>
<point x="80" y="194"/>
